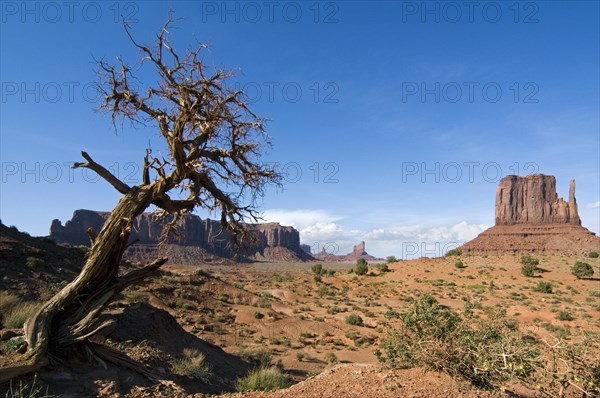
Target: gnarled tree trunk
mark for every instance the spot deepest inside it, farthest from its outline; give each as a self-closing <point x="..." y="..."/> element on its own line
<point x="61" y="326"/>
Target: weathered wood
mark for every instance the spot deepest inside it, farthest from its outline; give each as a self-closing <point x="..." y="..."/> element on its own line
<point x="73" y="311"/>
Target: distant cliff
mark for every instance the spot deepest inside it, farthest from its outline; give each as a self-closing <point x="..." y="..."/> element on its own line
<point x="194" y="240"/>
<point x="358" y="251"/>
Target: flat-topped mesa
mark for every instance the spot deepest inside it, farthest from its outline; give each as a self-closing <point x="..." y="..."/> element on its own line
<point x="532" y="200"/>
<point x="194" y="240"/>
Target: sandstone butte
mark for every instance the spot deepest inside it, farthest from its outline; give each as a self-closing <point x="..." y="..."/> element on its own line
<point x="531" y="218"/>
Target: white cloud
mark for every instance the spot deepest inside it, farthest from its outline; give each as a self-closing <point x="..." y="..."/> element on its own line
<point x="593" y="205"/>
<point x="458" y="232"/>
<point x="321" y="228"/>
<point x="318" y="228"/>
<point x="409" y="241"/>
<point x="300" y="219"/>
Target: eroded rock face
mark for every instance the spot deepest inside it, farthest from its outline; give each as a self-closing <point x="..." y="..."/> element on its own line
<point x="359" y="250"/>
<point x="193" y="238"/>
<point x="531" y="218"/>
<point x="532" y="200"/>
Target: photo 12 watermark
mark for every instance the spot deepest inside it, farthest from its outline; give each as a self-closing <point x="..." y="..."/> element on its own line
<point x="289" y="92"/>
<point x="455" y="172"/>
<point x="49" y="92"/>
<point x="131" y="172"/>
<point x="453" y="12"/>
<point x="52" y="12"/>
<point x="469" y="92"/>
<point x="317" y="12"/>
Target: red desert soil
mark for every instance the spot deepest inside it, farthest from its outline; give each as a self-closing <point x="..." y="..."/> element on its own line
<point x="365" y="381"/>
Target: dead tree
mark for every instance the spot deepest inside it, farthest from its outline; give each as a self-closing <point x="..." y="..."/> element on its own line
<point x="214" y="143"/>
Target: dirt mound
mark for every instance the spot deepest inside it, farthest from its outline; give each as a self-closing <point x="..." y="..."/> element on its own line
<point x="142" y="322"/>
<point x="361" y="381"/>
<point x="152" y="338"/>
<point x="35" y="267"/>
<point x="556" y="239"/>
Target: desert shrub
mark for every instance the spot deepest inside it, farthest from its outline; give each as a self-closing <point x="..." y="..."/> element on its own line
<point x="258" y="315"/>
<point x="572" y="362"/>
<point x="435" y="337"/>
<point x="146" y="352"/>
<point x="528" y="270"/>
<point x="529" y="266"/>
<point x="582" y="270"/>
<point x="382" y="267"/>
<point x="318" y="278"/>
<point x="543" y="287"/>
<point x="459" y="264"/>
<point x="331" y="358"/>
<point x="7" y="301"/>
<point x="391" y="314"/>
<point x="15" y="314"/>
<point x="593" y="254"/>
<point x="453" y="252"/>
<point x="565" y="316"/>
<point x="354" y="319"/>
<point x="391" y="259"/>
<point x="317" y="269"/>
<point x="361" y="267"/>
<point x="136" y="296"/>
<point x="529" y="260"/>
<point x="15" y="343"/>
<point x="25" y="391"/>
<point x="33" y="262"/>
<point x="192" y="366"/>
<point x="335" y="309"/>
<point x="262" y="379"/>
<point x="259" y="357"/>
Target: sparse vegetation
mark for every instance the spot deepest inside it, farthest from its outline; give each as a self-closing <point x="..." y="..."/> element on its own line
<point x="565" y="316"/>
<point x="26" y="391"/>
<point x="262" y="379"/>
<point x="391" y="259"/>
<point x="14" y="312"/>
<point x="435" y="337"/>
<point x="354" y="319"/>
<point x="361" y="267"/>
<point x="582" y="270"/>
<point x="331" y="358"/>
<point x="33" y="262"/>
<point x="259" y="357"/>
<point x="453" y="252"/>
<point x="192" y="366"/>
<point x="593" y="254"/>
<point x="382" y="267"/>
<point x="317" y="269"/>
<point x="529" y="260"/>
<point x="543" y="287"/>
<point x="529" y="265"/>
<point x="15" y="343"/>
<point x="459" y="264"/>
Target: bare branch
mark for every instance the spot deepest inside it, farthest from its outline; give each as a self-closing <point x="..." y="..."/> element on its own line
<point x="103" y="172"/>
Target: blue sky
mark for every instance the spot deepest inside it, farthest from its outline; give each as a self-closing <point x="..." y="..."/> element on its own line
<point x="392" y="121"/>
